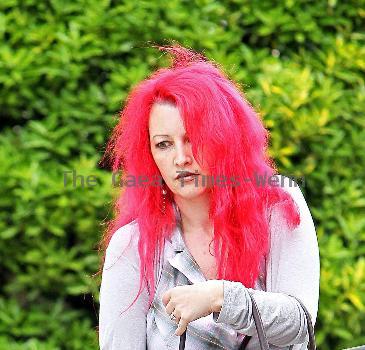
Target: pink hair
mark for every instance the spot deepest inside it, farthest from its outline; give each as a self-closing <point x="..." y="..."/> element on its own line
<point x="228" y="136"/>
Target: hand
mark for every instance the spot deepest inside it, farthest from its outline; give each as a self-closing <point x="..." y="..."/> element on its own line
<point x="188" y="303"/>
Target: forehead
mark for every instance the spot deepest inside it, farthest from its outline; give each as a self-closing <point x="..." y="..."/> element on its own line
<point x="165" y="119"/>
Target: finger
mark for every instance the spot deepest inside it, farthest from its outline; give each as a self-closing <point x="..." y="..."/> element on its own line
<point x="181" y="327"/>
<point x="170" y="307"/>
<point x="177" y="316"/>
<point x="166" y="297"/>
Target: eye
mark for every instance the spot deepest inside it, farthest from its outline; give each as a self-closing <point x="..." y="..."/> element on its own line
<point x="162" y="145"/>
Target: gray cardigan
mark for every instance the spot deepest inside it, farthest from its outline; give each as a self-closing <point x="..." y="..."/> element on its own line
<point x="292" y="267"/>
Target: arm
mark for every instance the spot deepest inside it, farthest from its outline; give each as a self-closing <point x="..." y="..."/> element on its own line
<point x="120" y="284"/>
<point x="292" y="268"/>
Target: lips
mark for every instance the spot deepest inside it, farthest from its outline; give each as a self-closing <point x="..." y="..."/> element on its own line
<point x="184" y="174"/>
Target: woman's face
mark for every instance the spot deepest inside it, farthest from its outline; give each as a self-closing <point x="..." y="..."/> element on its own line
<point x="171" y="150"/>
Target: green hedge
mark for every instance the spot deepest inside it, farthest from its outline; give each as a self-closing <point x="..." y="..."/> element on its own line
<point x="65" y="70"/>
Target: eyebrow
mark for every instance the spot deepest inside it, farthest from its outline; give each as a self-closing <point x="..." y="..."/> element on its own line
<point x="164" y="135"/>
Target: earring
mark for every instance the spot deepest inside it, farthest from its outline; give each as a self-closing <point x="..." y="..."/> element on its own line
<point x="164" y="192"/>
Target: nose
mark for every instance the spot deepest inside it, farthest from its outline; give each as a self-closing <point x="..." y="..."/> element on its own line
<point x="183" y="156"/>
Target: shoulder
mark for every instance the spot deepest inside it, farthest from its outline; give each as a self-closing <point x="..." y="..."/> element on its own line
<point x="293" y="265"/>
<point x="124" y="242"/>
<point x="305" y="231"/>
<point x="291" y="187"/>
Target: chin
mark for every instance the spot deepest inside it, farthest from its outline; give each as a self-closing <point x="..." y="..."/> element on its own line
<point x="190" y="193"/>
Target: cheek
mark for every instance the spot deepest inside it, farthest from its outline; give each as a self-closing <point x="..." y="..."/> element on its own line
<point x="161" y="162"/>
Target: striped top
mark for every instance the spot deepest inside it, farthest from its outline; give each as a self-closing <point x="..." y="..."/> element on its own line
<point x="291" y="267"/>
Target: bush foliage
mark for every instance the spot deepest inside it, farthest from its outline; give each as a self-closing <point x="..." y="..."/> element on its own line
<point x="65" y="70"/>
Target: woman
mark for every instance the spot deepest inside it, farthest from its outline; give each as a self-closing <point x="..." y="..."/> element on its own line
<point x="201" y="221"/>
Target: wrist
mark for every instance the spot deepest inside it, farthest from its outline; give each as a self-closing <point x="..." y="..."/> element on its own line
<point x="217" y="295"/>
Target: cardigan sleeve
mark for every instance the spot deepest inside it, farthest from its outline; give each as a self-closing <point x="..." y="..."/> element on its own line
<point x="292" y="267"/>
<point x="119" y="287"/>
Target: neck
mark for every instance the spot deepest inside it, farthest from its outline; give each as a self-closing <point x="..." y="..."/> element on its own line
<point x="195" y="215"/>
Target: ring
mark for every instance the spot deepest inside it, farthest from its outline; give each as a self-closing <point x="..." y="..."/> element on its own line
<point x="172" y="317"/>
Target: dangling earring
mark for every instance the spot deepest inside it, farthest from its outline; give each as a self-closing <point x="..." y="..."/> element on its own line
<point x="164" y="192"/>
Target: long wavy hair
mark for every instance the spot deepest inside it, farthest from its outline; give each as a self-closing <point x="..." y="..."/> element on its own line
<point x="228" y="136"/>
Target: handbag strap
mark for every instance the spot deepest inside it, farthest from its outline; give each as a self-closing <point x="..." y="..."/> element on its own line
<point x="264" y="345"/>
<point x="312" y="339"/>
<point x="182" y="341"/>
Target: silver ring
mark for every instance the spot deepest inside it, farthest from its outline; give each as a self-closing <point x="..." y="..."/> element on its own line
<point x="172" y="317"/>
